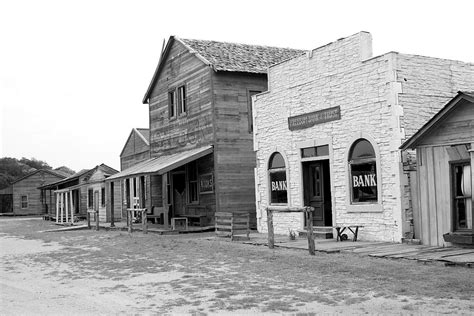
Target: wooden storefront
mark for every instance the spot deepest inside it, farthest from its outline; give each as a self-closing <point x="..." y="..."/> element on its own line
<point x="200" y="113"/>
<point x="443" y="210"/>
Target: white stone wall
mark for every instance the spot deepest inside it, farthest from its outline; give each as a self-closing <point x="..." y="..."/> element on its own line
<point x="368" y="92"/>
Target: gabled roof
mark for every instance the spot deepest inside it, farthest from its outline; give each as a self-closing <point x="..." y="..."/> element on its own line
<point x="231" y="57"/>
<point x="143" y="133"/>
<point x="413" y="141"/>
<point x="83" y="173"/>
<point x="52" y="172"/>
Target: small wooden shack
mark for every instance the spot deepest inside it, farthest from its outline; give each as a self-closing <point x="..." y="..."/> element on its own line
<point x="443" y="208"/>
<point x="26" y="198"/>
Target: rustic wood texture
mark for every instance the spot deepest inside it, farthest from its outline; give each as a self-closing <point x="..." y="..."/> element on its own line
<point x="136" y="150"/>
<point x="29" y="186"/>
<point x="232" y="224"/>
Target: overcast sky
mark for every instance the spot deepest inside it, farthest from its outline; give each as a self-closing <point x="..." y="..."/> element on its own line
<point x="73" y="73"/>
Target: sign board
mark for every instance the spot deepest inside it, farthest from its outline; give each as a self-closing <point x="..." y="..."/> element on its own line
<point x="206" y="183"/>
<point x="310" y="119"/>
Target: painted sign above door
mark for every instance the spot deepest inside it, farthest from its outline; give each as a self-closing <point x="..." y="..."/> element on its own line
<point x="310" y="119"/>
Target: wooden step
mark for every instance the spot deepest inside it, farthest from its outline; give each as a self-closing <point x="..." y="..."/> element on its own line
<point x="323" y="232"/>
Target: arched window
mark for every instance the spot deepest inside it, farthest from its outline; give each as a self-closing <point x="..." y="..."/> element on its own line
<point x="277" y="179"/>
<point x="363" y="172"/>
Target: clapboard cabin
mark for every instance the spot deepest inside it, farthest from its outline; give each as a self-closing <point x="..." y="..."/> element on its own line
<point x="84" y="191"/>
<point x="27" y="198"/>
<point x="136" y="148"/>
<point x="445" y="155"/>
<point x="201" y="124"/>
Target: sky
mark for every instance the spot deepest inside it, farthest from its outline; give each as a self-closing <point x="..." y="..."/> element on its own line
<point x="73" y="73"/>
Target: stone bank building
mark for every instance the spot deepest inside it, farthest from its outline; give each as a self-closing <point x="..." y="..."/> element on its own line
<point x="327" y="134"/>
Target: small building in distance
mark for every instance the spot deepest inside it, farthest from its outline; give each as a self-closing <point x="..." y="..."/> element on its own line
<point x="27" y="199"/>
<point x="443" y="208"/>
<point x="136" y="148"/>
<point x="83" y="191"/>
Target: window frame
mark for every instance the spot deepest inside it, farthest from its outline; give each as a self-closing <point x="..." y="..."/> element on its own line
<point x="359" y="162"/>
<point x="363" y="207"/>
<point x="172" y="110"/>
<point x="455" y="198"/>
<point x="102" y="197"/>
<point x="271" y="171"/>
<point x="21" y="201"/>
<point x="90" y="198"/>
<point x="181" y="100"/>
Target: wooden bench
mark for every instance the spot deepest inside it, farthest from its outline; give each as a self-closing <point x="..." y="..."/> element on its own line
<point x="194" y="218"/>
<point x="353" y="228"/>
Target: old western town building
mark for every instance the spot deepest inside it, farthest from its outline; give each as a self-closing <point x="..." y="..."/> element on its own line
<point x="328" y="131"/>
<point x="201" y="152"/>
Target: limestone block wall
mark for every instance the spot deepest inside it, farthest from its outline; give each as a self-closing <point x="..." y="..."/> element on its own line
<point x="380" y="99"/>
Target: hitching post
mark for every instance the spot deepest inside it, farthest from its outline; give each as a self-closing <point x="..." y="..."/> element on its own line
<point x="309" y="220"/>
<point x="271" y="237"/>
<point x="144" y="221"/>
<point x="97" y="220"/>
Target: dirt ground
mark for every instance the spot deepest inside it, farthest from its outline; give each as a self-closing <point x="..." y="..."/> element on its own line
<point x="111" y="272"/>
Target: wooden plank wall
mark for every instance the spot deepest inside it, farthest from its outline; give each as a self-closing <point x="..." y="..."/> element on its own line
<point x="434" y="194"/>
<point x="135" y="151"/>
<point x="235" y="158"/>
<point x="458" y="127"/>
<point x="29" y="186"/>
<point x="193" y="129"/>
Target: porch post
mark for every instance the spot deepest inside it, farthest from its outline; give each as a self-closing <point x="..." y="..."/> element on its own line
<point x="56" y="194"/>
<point x="66" y="205"/>
<point x="471" y="152"/>
<point x="61" y="206"/>
<point x="71" y="202"/>
<point x="165" y="202"/>
<point x="111" y="199"/>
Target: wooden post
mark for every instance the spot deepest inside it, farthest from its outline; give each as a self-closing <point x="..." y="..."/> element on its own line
<point x="129" y="220"/>
<point x="97" y="220"/>
<point x="57" y="207"/>
<point x="66" y="206"/>
<point x="112" y="200"/>
<point x="88" y="219"/>
<point x="61" y="206"/>
<point x="144" y="221"/>
<point x="71" y="204"/>
<point x="309" y="221"/>
<point x="271" y="236"/>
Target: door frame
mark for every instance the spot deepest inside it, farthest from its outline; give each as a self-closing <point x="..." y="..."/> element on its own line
<point x="316" y="143"/>
<point x="171" y="203"/>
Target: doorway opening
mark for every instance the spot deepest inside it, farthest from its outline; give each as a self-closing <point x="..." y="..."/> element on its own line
<point x="317" y="191"/>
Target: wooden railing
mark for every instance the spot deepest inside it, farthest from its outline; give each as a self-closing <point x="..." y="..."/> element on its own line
<point x="307" y="210"/>
<point x="232" y="224"/>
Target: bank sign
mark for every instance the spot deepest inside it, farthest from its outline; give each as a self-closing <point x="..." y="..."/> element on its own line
<point x="310" y="119"/>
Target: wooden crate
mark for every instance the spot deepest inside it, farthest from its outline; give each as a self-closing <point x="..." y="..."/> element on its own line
<point x="232" y="224"/>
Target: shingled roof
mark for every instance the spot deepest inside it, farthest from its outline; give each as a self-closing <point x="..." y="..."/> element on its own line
<point x="230" y="57"/>
<point x="236" y="57"/>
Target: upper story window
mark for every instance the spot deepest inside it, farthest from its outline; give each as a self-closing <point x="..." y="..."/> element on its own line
<point x="277" y="179"/>
<point x="363" y="172"/>
<point x="177" y="103"/>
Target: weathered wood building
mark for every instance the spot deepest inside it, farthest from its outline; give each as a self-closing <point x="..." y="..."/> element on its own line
<point x="83" y="191"/>
<point x="201" y="128"/>
<point x="443" y="208"/>
<point x="27" y="198"/>
<point x="136" y="148"/>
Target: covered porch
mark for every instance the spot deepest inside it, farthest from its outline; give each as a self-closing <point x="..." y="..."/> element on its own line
<point x="176" y="190"/>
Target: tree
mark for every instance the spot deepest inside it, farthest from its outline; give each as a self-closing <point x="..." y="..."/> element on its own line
<point x="66" y="170"/>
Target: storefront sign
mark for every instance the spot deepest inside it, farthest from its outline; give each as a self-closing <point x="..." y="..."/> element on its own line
<point x="310" y="119"/>
<point x="366" y="180"/>
<point x="279" y="188"/>
<point x="206" y="183"/>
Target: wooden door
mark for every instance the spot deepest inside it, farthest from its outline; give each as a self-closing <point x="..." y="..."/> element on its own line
<point x="317" y="191"/>
<point x="179" y="193"/>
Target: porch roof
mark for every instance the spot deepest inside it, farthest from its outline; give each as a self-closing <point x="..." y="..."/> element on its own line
<point x="162" y="164"/>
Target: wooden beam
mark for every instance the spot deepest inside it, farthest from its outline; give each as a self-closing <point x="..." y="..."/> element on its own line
<point x="57" y="207"/>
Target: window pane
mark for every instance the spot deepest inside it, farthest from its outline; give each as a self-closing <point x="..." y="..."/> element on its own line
<point x="308" y="152"/>
<point x="322" y="150"/>
<point x="171" y="104"/>
<point x="277" y="161"/>
<point x="361" y="149"/>
<point x="364" y="182"/>
<point x="278" y="187"/>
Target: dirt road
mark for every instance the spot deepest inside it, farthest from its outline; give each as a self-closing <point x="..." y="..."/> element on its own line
<point x="110" y="272"/>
